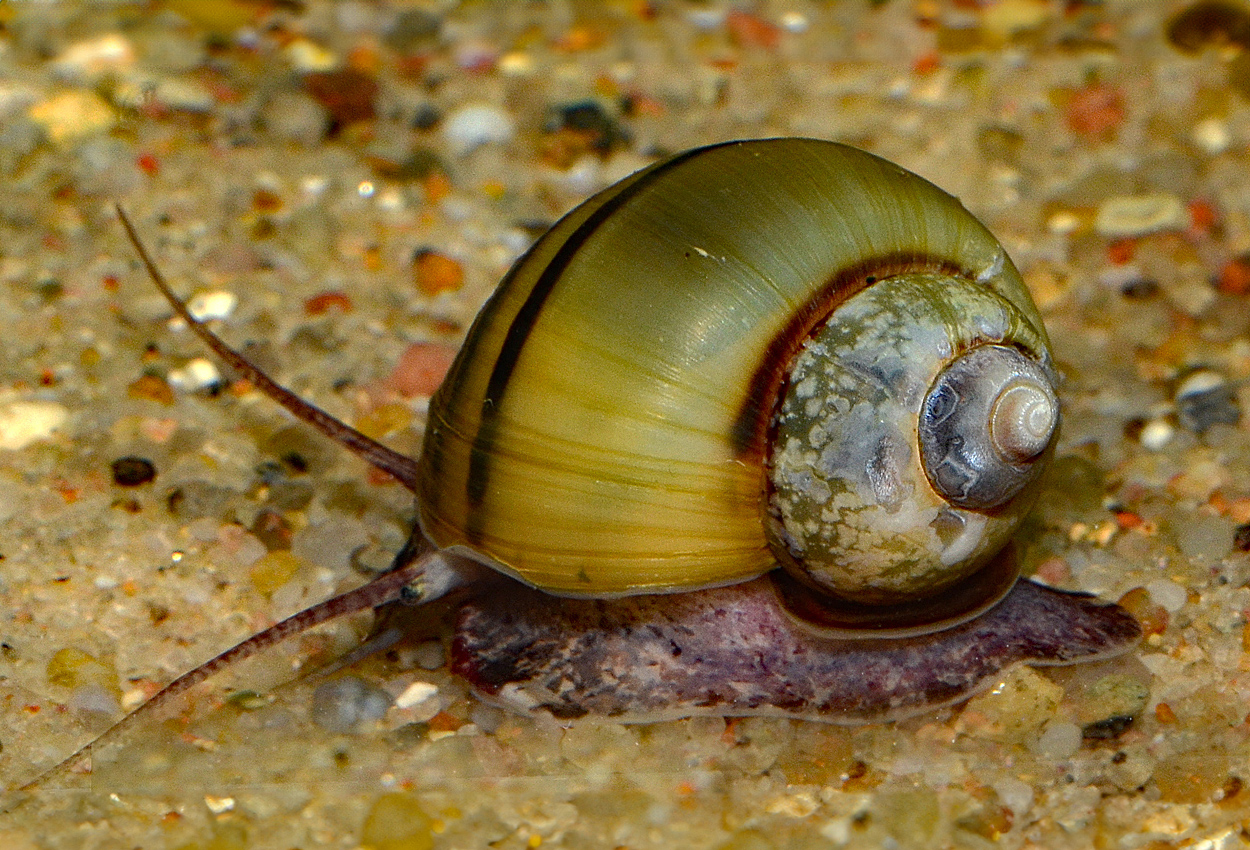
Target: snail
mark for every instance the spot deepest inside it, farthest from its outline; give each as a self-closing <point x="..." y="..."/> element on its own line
<point x="747" y="432"/>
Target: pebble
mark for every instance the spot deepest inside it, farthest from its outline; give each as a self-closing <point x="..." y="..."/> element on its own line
<point x="435" y="272"/>
<point x="1137" y="215"/>
<point x="396" y="821"/>
<point x="89" y="59"/>
<point x="340" y="705"/>
<point x="477" y="124"/>
<point x="1212" y="135"/>
<point x="198" y="374"/>
<point x="415" y="694"/>
<point x="429" y="655"/>
<point x="348" y="95"/>
<point x="26" y="422"/>
<point x="68" y="117"/>
<point x="309" y="57"/>
<point x="1059" y="740"/>
<point x="1209" y="23"/>
<point x="414" y="30"/>
<point x="1168" y="593"/>
<point x="1114" y="696"/>
<point x="93" y="698"/>
<point x="1205" y="398"/>
<point x="297" y="117"/>
<point x="421" y="368"/>
<point x="1156" y="434"/>
<point x="212" y="305"/>
<point x="131" y="471"/>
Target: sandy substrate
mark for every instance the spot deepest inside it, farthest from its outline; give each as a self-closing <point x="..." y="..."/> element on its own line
<point x="342" y="181"/>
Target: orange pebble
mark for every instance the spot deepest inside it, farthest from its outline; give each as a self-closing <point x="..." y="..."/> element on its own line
<point x="148" y="164"/>
<point x="752" y="31"/>
<point x="327" y="301"/>
<point x="436" y="272"/>
<point x="1121" y="251"/>
<point x="1096" y="111"/>
<point x="1235" y="276"/>
<point x="421" y="368"/>
<point x="1153" y="617"/>
<point x="1203" y="217"/>
<point x="152" y="388"/>
<point x="1164" y="713"/>
<point x="444" y="722"/>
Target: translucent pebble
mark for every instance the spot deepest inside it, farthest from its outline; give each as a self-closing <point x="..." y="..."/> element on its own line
<point x="342" y="704"/>
<point x="1059" y="740"/>
<point x="397" y="822"/>
<point x="429" y="655"/>
<point x="1168" y="593"/>
<point x="93" y="698"/>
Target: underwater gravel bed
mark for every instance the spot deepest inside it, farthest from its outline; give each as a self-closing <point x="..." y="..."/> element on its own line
<point x="343" y="184"/>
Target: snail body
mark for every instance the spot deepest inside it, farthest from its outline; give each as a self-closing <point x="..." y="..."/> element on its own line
<point x="776" y="352"/>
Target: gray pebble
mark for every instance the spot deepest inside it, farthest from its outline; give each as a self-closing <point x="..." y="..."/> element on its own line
<point x="342" y="704"/>
<point x="1204" y="399"/>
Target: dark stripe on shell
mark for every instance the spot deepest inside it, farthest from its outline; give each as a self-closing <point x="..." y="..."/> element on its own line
<point x="767" y="383"/>
<point x="523" y="324"/>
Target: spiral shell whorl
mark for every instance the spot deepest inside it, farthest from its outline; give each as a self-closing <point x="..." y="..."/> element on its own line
<point x="886" y="482"/>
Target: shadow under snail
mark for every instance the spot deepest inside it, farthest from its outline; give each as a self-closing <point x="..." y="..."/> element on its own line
<point x="782" y="351"/>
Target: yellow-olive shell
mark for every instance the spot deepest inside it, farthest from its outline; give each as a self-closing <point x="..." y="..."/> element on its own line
<point x="603" y="429"/>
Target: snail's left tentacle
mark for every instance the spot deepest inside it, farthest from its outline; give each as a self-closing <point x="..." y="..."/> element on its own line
<point x="384" y="458"/>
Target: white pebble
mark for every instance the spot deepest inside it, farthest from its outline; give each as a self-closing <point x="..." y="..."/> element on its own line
<point x="219" y="805"/>
<point x="26" y="422"/>
<point x="1200" y="381"/>
<point x="212" y="305"/>
<point x="415" y="694"/>
<point x="1156" y="434"/>
<point x="1168" y="593"/>
<point x="1137" y="215"/>
<point x="794" y="22"/>
<point x="477" y="124"/>
<point x="1059" y="741"/>
<point x="1212" y="136"/>
<point x="86" y="60"/>
<point x="198" y="374"/>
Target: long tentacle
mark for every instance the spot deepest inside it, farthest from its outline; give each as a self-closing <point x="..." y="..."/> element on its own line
<point x="388" y="460"/>
<point x="402" y="581"/>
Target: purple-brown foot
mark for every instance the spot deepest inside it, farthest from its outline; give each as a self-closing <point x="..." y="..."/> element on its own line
<point x="734" y="651"/>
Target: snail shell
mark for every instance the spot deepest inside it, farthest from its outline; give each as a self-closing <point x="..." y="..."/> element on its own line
<point x="784" y="350"/>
